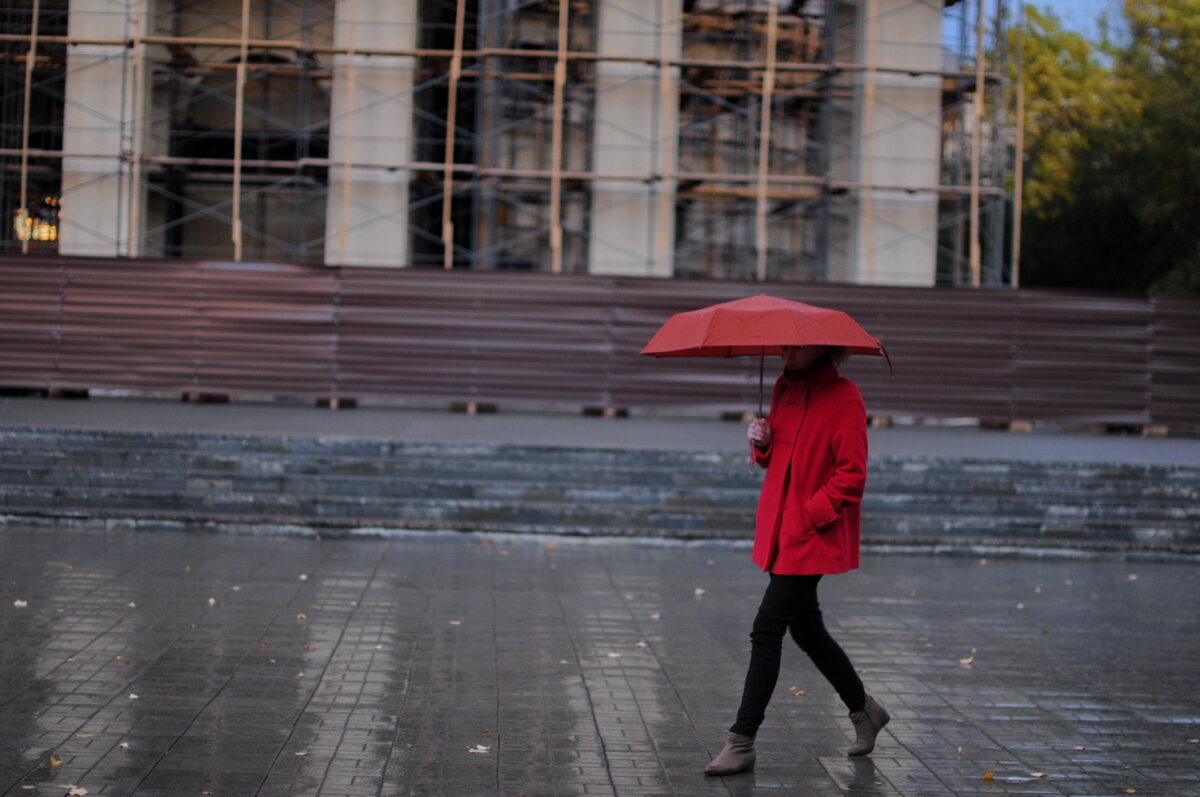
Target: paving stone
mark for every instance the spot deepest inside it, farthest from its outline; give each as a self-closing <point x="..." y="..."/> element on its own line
<point x="464" y="665"/>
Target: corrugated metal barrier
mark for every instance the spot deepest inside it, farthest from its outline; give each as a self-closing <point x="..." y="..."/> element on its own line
<point x="502" y="337"/>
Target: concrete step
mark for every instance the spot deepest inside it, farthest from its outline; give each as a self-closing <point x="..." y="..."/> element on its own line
<point x="338" y="485"/>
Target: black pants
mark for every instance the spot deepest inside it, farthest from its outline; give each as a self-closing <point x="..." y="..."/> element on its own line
<point x="790" y="604"/>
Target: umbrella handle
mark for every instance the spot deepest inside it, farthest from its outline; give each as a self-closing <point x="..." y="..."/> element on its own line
<point x="762" y="352"/>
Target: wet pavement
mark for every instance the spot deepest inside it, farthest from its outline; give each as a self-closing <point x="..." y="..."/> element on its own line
<point x="455" y="664"/>
<point x="511" y="427"/>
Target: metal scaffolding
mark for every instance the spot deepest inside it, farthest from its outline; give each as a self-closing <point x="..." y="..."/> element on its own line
<point x="813" y="140"/>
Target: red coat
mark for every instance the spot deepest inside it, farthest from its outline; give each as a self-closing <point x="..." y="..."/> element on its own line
<point x="808" y="514"/>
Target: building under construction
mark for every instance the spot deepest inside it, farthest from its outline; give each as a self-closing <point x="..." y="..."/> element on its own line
<point x="860" y="141"/>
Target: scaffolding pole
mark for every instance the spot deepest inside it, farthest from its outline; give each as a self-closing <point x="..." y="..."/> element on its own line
<point x="137" y="135"/>
<point x="1019" y="167"/>
<point x="975" y="250"/>
<point x="666" y="201"/>
<point x="460" y="15"/>
<point x="867" y="141"/>
<point x="239" y="121"/>
<point x="30" y="58"/>
<point x="348" y="136"/>
<point x="556" y="140"/>
<point x="764" y="146"/>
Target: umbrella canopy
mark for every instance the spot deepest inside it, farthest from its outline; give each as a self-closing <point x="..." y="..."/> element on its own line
<point x="758" y="325"/>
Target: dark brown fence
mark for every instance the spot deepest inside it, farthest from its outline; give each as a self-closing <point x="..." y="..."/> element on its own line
<point x="287" y="330"/>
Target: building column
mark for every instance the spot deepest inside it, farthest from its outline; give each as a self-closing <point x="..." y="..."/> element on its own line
<point x="632" y="230"/>
<point x="371" y="129"/>
<point x="98" y="126"/>
<point x="898" y="133"/>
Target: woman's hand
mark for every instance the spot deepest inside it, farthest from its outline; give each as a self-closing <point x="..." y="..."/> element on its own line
<point x="759" y="433"/>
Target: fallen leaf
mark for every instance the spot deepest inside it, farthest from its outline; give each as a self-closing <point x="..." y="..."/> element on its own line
<point x="656" y="616"/>
<point x="300" y="618"/>
<point x="132" y="696"/>
<point x="614" y="655"/>
<point x="121" y="658"/>
<point x="304" y="576"/>
<point x="66" y="567"/>
<point x="485" y="541"/>
<point x="131" y="605"/>
<point x="187" y="568"/>
<point x="236" y="589"/>
<point x="456" y="622"/>
<point x="1080" y="748"/>
<point x="76" y="791"/>
<point x="212" y="601"/>
<point x="377" y="647"/>
<point x="988" y="776"/>
<point x="299" y="675"/>
<point x="123" y="746"/>
<point x="698" y="592"/>
<point x="1038" y="775"/>
<point x="983" y="561"/>
<point x="55" y="761"/>
<point x="301" y="753"/>
<point x="479" y="749"/>
<point x="20" y="604"/>
<point x="1131" y="791"/>
<point x="799" y="693"/>
<point x="485" y="731"/>
<point x="642" y="645"/>
<point x="969" y="661"/>
<point x="1133" y="576"/>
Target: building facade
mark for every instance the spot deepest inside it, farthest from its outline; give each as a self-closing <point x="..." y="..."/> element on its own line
<point x="857" y="141"/>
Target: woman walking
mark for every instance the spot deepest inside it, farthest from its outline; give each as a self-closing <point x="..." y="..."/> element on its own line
<point x="813" y="445"/>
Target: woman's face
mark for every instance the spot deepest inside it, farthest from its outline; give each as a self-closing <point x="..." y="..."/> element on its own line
<point x="800" y="356"/>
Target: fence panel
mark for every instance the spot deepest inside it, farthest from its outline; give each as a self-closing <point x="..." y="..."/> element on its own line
<point x="570" y="340"/>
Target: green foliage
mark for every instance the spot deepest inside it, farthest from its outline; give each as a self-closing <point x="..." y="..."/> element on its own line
<point x="1113" y="152"/>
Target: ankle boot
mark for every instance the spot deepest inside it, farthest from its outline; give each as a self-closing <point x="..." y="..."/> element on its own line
<point x="737" y="756"/>
<point x="867" y="725"/>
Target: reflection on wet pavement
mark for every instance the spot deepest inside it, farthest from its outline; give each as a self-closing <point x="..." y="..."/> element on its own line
<point x="176" y="664"/>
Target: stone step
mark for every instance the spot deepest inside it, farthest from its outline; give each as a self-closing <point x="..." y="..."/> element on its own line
<point x="603" y="520"/>
<point x="1165" y="483"/>
<point x="363" y="457"/>
<point x="389" y="492"/>
<point x="196" y="481"/>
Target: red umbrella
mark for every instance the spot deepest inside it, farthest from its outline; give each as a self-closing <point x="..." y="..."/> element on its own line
<point x="758" y="325"/>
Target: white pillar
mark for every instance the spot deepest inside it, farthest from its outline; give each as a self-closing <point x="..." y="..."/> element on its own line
<point x="898" y="134"/>
<point x="636" y="126"/>
<point x="98" y="124"/>
<point x="371" y="127"/>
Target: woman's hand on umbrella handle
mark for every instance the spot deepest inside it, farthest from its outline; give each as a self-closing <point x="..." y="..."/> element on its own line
<point x="759" y="433"/>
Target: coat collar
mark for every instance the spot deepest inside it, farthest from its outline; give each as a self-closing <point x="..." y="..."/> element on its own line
<point x="811" y="377"/>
